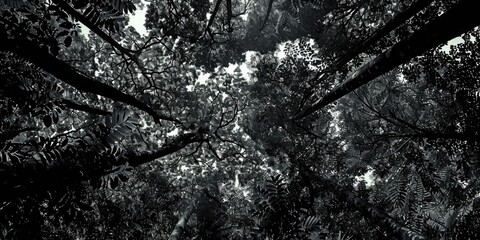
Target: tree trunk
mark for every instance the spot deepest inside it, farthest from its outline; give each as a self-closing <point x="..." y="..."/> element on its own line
<point x="413" y="9"/>
<point x="34" y="176"/>
<point x="182" y="222"/>
<point x="461" y="18"/>
<point x="64" y="72"/>
<point x="362" y="46"/>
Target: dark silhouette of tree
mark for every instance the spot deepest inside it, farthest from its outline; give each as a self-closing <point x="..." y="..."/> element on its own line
<point x="451" y="24"/>
<point x="174" y="134"/>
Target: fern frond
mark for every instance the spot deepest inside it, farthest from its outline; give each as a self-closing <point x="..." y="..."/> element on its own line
<point x="310" y="222"/>
<point x="123" y="6"/>
<point x="14" y="3"/>
<point x="463" y="211"/>
<point x="342" y="236"/>
<point x="397" y="192"/>
<point x="420" y="191"/>
<point x="120" y="125"/>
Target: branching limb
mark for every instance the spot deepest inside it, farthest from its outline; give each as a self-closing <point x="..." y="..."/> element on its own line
<point x="459" y="19"/>
<point x="229" y="15"/>
<point x="70" y="10"/>
<point x="61" y="70"/>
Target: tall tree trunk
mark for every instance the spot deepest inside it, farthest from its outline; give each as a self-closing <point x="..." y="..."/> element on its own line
<point x="182" y="222"/>
<point x="399" y="19"/>
<point x="461" y="18"/>
<point x="34" y="176"/>
<point x="66" y="73"/>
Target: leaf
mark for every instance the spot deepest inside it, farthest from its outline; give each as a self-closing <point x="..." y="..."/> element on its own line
<point x="55" y="117"/>
<point x="64" y="142"/>
<point x="62" y="33"/>
<point x="66" y="25"/>
<point x="123" y="177"/>
<point x="67" y="41"/>
<point x="85" y="207"/>
<point x="121" y="125"/>
<point x="113" y="182"/>
<point x="47" y="120"/>
<point x="310" y="222"/>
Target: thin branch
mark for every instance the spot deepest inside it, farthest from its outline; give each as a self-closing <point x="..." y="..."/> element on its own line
<point x="213" y="15"/>
<point x="270" y="4"/>
<point x="76" y="15"/>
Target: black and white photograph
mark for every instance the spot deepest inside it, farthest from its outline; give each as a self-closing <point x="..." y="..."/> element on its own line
<point x="239" y="119"/>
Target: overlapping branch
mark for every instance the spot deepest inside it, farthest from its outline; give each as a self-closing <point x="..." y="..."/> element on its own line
<point x="459" y="19"/>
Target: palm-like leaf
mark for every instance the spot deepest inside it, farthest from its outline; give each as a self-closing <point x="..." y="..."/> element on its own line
<point x="120" y="125"/>
<point x="397" y="192"/>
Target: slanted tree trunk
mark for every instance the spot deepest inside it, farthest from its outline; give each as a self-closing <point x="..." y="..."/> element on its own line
<point x="182" y="222"/>
<point x="459" y="19"/>
<point x="399" y="19"/>
<point x="34" y="176"/>
<point x="66" y="73"/>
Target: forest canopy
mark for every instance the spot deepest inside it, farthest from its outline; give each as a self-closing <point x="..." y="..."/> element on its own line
<point x="240" y="119"/>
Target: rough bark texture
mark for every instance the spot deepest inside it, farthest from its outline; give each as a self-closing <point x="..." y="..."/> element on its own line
<point x="460" y="19"/>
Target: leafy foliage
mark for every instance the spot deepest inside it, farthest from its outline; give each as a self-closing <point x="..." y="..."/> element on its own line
<point x="279" y="215"/>
<point x="396" y="158"/>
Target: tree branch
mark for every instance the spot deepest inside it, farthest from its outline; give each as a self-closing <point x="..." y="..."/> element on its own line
<point x="36" y="177"/>
<point x="61" y="70"/>
<point x="270" y="4"/>
<point x="213" y="15"/>
<point x="461" y="18"/>
<point x="84" y="108"/>
<point x="76" y="15"/>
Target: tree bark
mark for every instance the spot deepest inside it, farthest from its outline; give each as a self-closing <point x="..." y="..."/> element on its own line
<point x="413" y="9"/>
<point x="461" y="18"/>
<point x="66" y="73"/>
<point x="34" y="176"/>
<point x="182" y="222"/>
